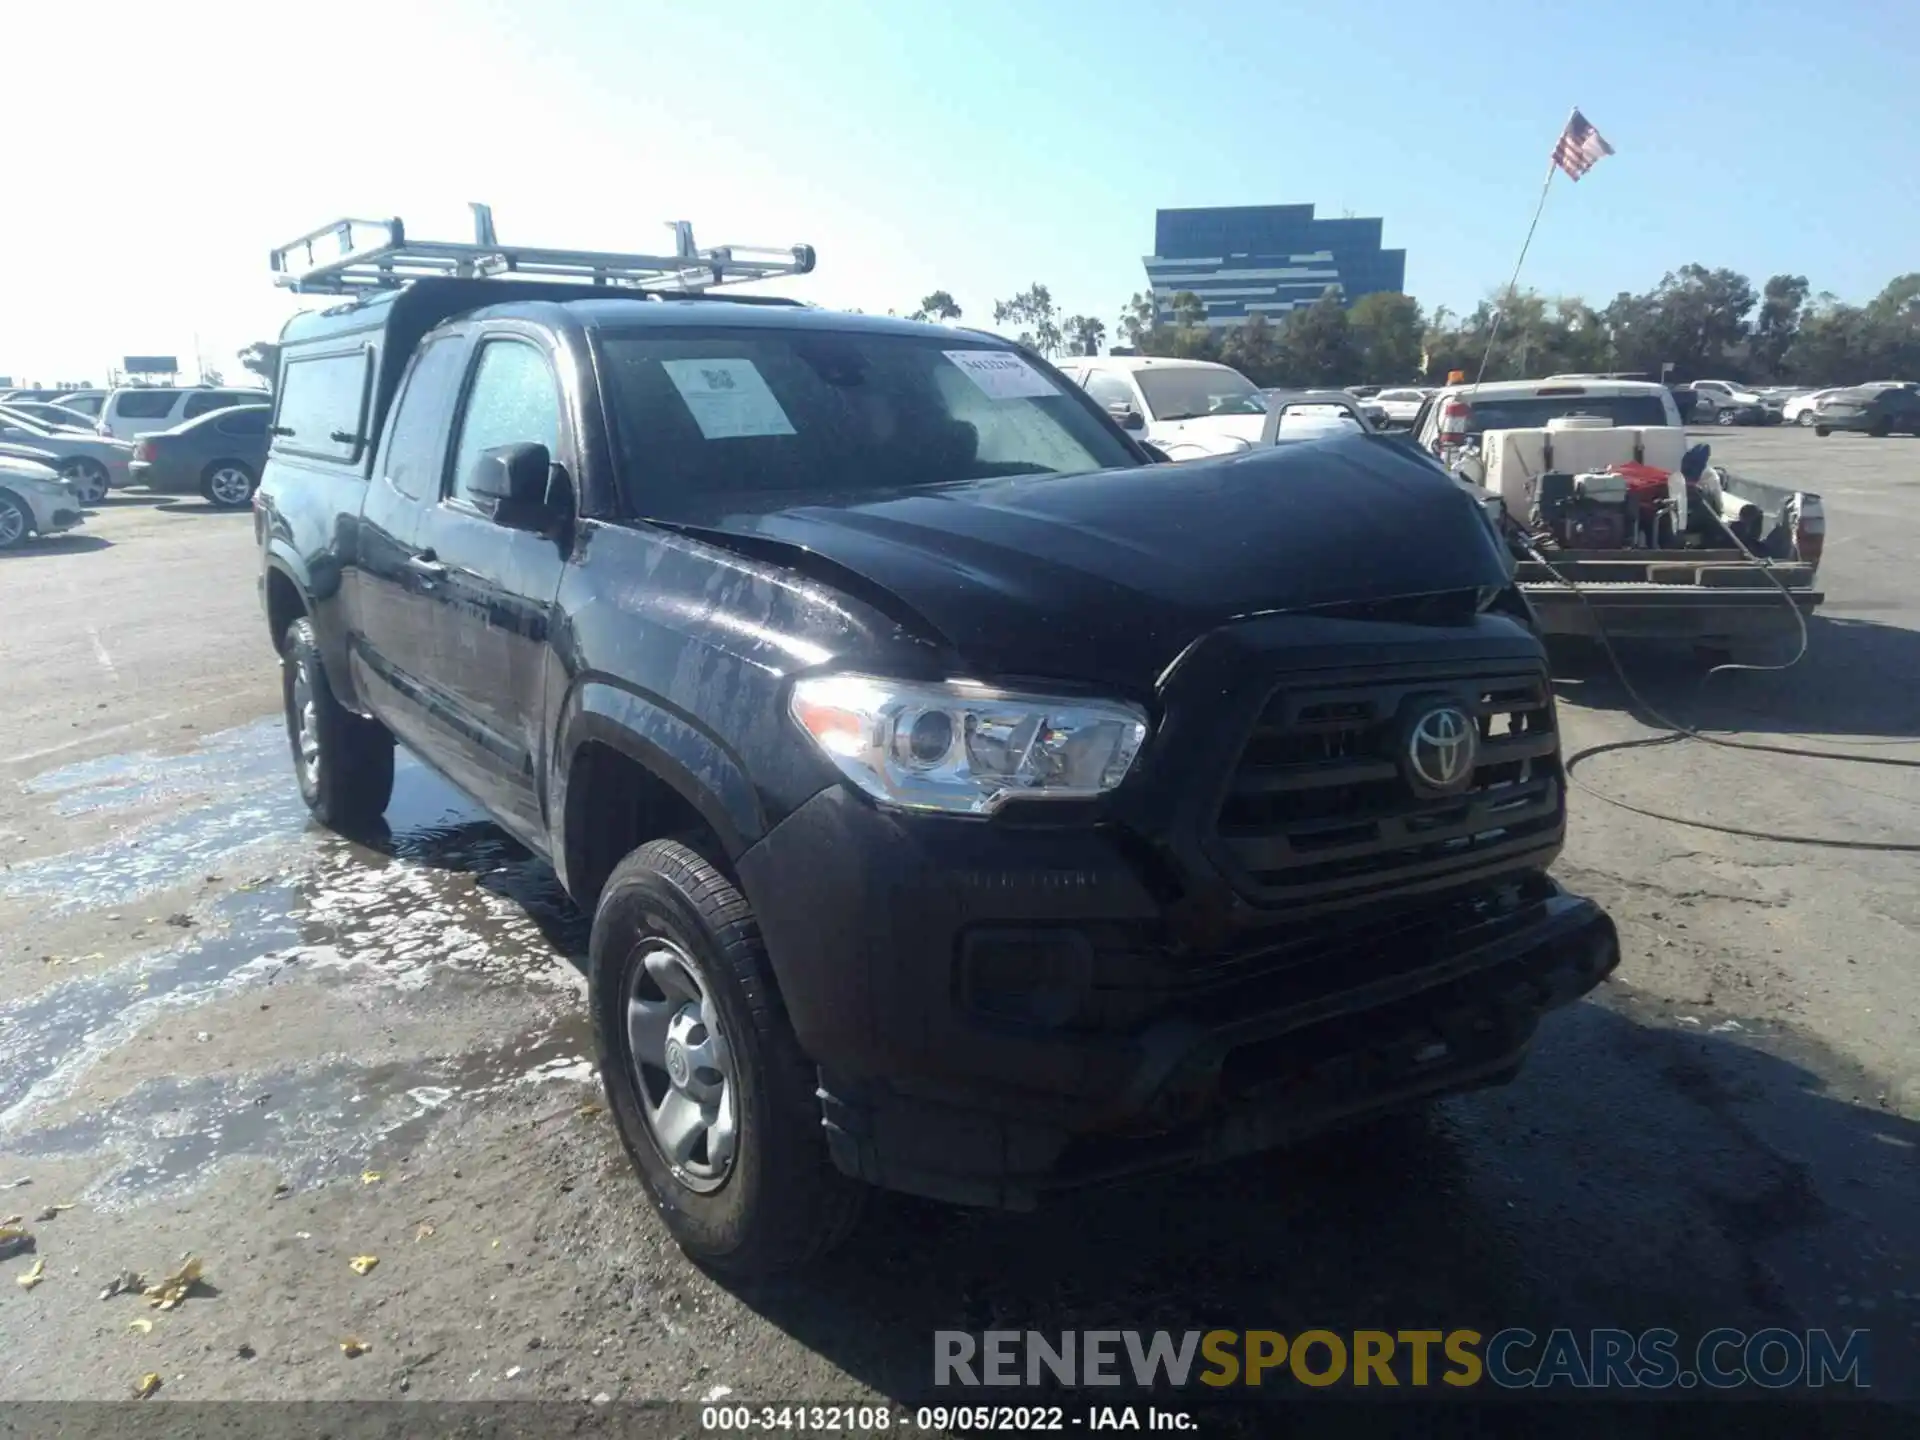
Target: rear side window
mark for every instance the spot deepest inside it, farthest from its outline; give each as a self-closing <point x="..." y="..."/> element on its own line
<point x="243" y="423"/>
<point x="203" y="401"/>
<point x="322" y="405"/>
<point x="144" y="404"/>
<point x="1533" y="411"/>
<point x="417" y="434"/>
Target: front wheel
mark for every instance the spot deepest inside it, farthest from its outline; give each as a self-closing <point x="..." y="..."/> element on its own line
<point x="89" y="480"/>
<point x="344" y="763"/>
<point x="227" y="484"/>
<point x="1823" y="429"/>
<point x="16" y="522"/>
<point x="1723" y="417"/>
<point x="713" y="1098"/>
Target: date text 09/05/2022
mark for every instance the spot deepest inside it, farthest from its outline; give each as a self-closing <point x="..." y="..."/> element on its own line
<point x="940" y="1419"/>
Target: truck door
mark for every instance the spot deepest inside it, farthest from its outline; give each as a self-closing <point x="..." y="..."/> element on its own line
<point x="390" y="598"/>
<point x="494" y="599"/>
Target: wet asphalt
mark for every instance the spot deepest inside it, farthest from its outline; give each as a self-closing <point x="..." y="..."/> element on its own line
<point x="216" y="1022"/>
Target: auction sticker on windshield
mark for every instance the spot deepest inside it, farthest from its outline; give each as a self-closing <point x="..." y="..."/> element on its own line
<point x="729" y="398"/>
<point x="1001" y="375"/>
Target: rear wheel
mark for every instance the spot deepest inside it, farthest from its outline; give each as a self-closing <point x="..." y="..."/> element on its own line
<point x="228" y="484"/>
<point x="89" y="479"/>
<point x="1880" y="429"/>
<point x="16" y="522"/>
<point x="1805" y="418"/>
<point x="713" y="1098"/>
<point x="1823" y="430"/>
<point x="344" y="763"/>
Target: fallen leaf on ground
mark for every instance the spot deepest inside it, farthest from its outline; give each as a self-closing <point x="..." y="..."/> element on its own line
<point x="16" y="1184"/>
<point x="146" y="1385"/>
<point x="33" y="1276"/>
<point x="361" y="1264"/>
<point x="588" y="1110"/>
<point x="127" y="1282"/>
<point x="143" y="1325"/>
<point x="15" y="1239"/>
<point x="425" y="1232"/>
<point x="368" y="1177"/>
<point x="51" y="1211"/>
<point x="176" y="1287"/>
<point x="7" y="1222"/>
<point x="352" y="1348"/>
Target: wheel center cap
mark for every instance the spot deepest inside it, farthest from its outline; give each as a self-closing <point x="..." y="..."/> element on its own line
<point x="677" y="1068"/>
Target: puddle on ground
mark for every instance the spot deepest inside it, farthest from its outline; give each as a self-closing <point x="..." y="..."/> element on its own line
<point x="443" y="895"/>
<point x="311" y="1124"/>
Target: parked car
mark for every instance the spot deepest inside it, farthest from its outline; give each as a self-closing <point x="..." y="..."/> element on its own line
<point x="34" y="500"/>
<point x="58" y="417"/>
<point x="94" y="463"/>
<point x="1871" y="410"/>
<point x="1713" y="397"/>
<point x="1400" y="406"/>
<point x="136" y="410"/>
<point x="966" y="805"/>
<point x="85" y="402"/>
<point x="1187" y="408"/>
<point x="1799" y="410"/>
<point x="218" y="455"/>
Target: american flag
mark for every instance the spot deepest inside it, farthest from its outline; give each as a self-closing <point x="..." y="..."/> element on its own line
<point x="1580" y="147"/>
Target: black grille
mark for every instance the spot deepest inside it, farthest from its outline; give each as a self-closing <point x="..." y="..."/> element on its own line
<point x="1320" y="804"/>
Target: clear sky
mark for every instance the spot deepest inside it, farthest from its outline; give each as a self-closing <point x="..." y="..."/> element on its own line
<point x="973" y="146"/>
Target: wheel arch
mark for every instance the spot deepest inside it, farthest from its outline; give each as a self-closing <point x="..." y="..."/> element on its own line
<point x="629" y="770"/>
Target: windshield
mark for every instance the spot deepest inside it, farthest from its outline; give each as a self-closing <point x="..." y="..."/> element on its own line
<point x="706" y="411"/>
<point x="1189" y="392"/>
<point x="1530" y="412"/>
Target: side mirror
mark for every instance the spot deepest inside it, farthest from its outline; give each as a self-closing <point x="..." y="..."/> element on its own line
<point x="517" y="479"/>
<point x="1127" y="417"/>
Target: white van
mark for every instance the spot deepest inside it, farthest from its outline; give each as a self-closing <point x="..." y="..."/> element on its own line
<point x="135" y="410"/>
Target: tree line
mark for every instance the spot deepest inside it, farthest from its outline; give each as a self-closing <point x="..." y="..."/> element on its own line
<point x="1701" y="322"/>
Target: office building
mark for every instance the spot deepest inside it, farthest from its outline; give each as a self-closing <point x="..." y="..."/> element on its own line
<point x="1243" y="260"/>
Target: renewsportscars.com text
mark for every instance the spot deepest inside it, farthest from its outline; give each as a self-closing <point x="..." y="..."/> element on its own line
<point x="1514" y="1358"/>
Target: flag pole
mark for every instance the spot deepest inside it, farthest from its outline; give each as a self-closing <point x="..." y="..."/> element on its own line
<point x="1493" y="333"/>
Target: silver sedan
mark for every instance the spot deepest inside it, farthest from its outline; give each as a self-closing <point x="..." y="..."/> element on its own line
<point x="33" y="501"/>
<point x="94" y="463"/>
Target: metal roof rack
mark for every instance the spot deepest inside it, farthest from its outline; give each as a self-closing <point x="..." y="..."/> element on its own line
<point x="350" y="256"/>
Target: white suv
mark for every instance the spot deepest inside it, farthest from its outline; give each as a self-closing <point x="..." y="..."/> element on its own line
<point x="136" y="410"/>
<point x="1189" y="408"/>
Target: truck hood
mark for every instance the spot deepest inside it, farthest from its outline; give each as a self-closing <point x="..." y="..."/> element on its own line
<point x="1106" y="577"/>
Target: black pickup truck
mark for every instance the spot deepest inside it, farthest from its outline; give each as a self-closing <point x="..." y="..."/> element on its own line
<point x="966" y="803"/>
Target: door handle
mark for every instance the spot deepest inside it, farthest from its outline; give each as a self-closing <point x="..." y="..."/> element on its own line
<point x="426" y="567"/>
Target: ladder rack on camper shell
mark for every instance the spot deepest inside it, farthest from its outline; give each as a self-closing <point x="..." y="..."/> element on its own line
<point x="350" y="256"/>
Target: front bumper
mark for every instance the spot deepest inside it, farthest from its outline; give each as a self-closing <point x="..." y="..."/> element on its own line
<point x="998" y="1010"/>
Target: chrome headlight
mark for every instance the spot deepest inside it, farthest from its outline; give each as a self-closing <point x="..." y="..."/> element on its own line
<point x="964" y="748"/>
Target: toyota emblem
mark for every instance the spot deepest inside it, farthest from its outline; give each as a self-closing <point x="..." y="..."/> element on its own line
<point x="1442" y="747"/>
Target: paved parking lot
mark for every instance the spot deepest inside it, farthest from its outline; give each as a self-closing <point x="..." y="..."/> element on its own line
<point x="225" y="1034"/>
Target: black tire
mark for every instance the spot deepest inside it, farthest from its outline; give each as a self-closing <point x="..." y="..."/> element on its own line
<point x="348" y="778"/>
<point x="220" y="484"/>
<point x="1805" y="417"/>
<point x="1723" y="417"/>
<point x="16" y="522"/>
<point x="1823" y="430"/>
<point x="780" y="1203"/>
<point x="1880" y="429"/>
